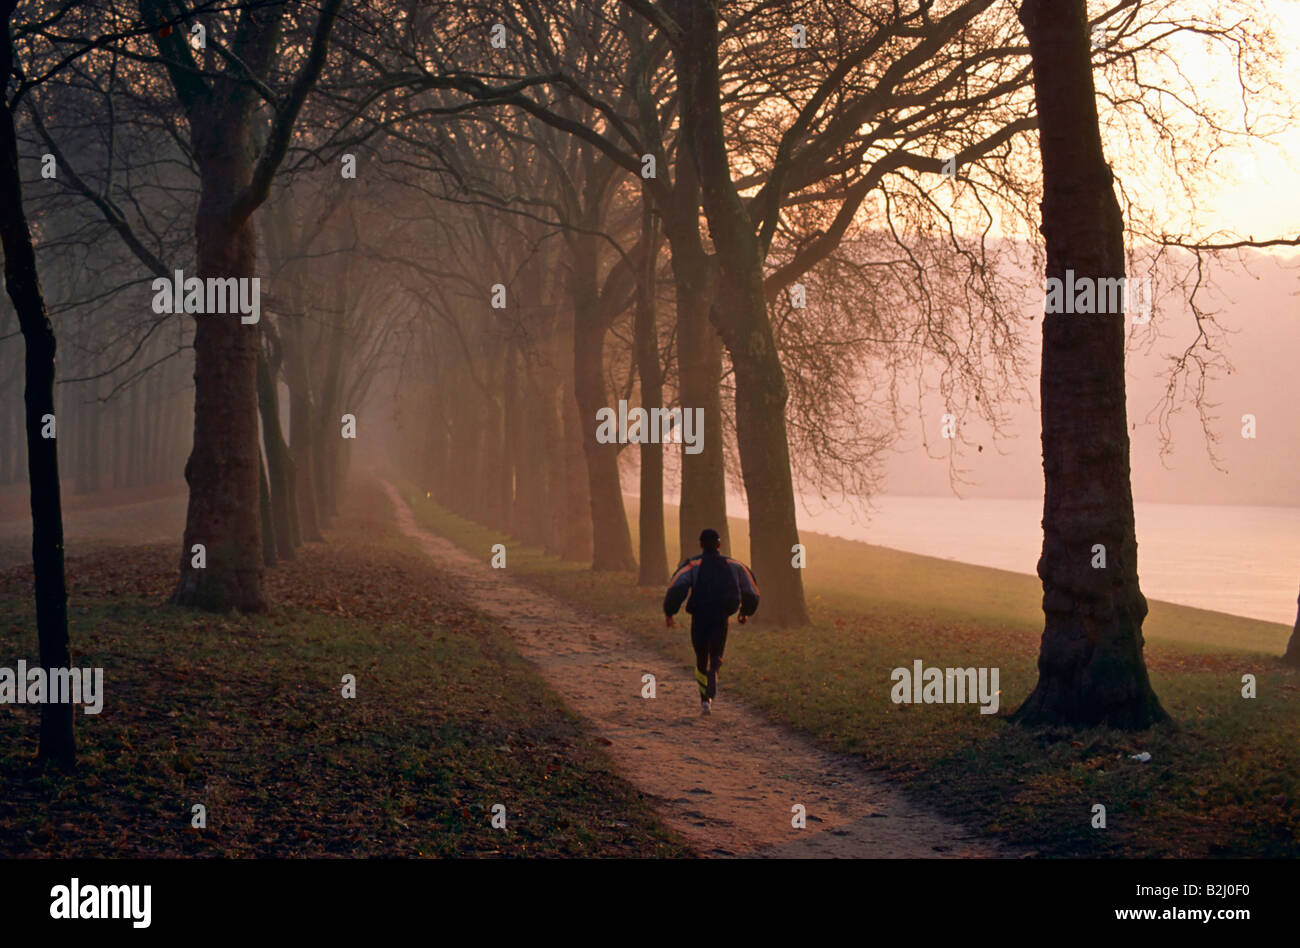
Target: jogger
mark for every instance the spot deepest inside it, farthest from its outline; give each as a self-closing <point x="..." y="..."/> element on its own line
<point x="718" y="586"/>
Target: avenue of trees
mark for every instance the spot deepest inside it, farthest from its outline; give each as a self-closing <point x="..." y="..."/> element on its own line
<point x="477" y="224"/>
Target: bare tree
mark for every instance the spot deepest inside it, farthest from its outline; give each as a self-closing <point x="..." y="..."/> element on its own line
<point x="1292" y="656"/>
<point x="1091" y="668"/>
<point x="57" y="743"/>
<point x="235" y="178"/>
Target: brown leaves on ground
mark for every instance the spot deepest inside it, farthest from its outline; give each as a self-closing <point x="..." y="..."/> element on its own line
<point x="245" y="716"/>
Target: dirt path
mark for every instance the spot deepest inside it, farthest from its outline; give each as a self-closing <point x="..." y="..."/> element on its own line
<point x="726" y="782"/>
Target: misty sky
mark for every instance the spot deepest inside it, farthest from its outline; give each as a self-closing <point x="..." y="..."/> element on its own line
<point x="1251" y="191"/>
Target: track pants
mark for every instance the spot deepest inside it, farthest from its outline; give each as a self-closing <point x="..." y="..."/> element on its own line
<point x="709" y="637"/>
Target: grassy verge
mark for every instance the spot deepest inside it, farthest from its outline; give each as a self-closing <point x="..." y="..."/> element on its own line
<point x="245" y="716"/>
<point x="1223" y="779"/>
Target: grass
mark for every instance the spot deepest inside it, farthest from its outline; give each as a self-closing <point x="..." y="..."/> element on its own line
<point x="1224" y="776"/>
<point x="245" y="716"/>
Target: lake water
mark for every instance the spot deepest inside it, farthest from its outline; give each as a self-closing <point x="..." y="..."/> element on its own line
<point x="1240" y="560"/>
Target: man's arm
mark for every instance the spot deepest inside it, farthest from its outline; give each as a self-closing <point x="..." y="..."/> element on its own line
<point x="678" y="587"/>
<point x="748" y="590"/>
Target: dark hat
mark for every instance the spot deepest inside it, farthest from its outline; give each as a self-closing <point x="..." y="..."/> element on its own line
<point x="710" y="537"/>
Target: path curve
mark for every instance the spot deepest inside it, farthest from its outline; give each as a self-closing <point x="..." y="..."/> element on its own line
<point x="727" y="782"/>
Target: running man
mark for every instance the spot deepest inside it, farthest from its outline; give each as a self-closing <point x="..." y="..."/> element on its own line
<point x="718" y="587"/>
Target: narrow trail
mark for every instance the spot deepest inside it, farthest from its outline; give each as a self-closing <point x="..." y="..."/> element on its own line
<point x="726" y="783"/>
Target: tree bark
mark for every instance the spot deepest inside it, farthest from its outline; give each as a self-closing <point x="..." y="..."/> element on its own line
<point x="328" y="435"/>
<point x="703" y="500"/>
<point x="529" y="474"/>
<point x="654" y="553"/>
<point x="224" y="464"/>
<point x="611" y="537"/>
<point x="57" y="742"/>
<point x="1091" y="669"/>
<point x="704" y="475"/>
<point x="761" y="437"/>
<point x="1292" y="656"/>
<point x="264" y="508"/>
<point x="550" y="389"/>
<point x="279" y="464"/>
<point x="300" y="434"/>
<point x="576" y="527"/>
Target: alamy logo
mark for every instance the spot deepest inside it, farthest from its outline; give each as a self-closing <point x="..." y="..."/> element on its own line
<point x="84" y="686"/>
<point x="241" y="295"/>
<point x="1099" y="296"/>
<point x="103" y="901"/>
<point x="924" y="685"/>
<point x="656" y="426"/>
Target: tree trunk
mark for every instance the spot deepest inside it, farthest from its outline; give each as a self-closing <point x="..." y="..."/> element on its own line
<point x="523" y="468"/>
<point x="279" y="464"/>
<point x="264" y="508"/>
<point x="529" y="465"/>
<point x="550" y="431"/>
<point x="328" y="435"/>
<point x="224" y="464"/>
<point x="611" y="537"/>
<point x="704" y="475"/>
<point x="654" y="554"/>
<point x="537" y="487"/>
<point x="1090" y="669"/>
<point x="57" y="742"/>
<point x="576" y="527"/>
<point x="1292" y="656"/>
<point x="761" y="396"/>
<point x="509" y="447"/>
<point x="741" y="314"/>
<point x="699" y="364"/>
<point x="300" y="435"/>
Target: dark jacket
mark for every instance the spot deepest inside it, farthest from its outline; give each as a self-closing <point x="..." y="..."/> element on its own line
<point x="718" y="587"/>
